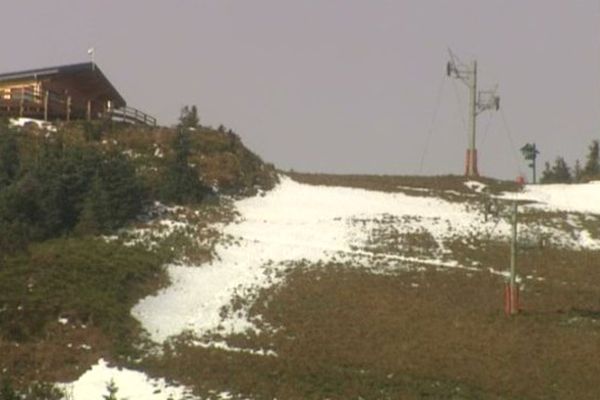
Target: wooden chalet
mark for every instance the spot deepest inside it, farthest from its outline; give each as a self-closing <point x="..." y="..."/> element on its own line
<point x="68" y="92"/>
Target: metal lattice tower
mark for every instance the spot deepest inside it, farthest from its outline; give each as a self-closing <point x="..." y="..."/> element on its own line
<point x="478" y="102"/>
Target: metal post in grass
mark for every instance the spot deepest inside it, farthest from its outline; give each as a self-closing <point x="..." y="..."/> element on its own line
<point x="512" y="296"/>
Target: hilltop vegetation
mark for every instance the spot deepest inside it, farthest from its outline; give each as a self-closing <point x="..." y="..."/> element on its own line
<point x="89" y="178"/>
<point x="390" y="292"/>
<point x="67" y="284"/>
<point x="560" y="172"/>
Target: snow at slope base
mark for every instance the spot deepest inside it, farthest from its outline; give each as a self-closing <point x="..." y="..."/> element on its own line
<point x="131" y="385"/>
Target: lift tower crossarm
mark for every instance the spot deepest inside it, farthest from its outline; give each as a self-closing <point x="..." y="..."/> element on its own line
<point x="478" y="102"/>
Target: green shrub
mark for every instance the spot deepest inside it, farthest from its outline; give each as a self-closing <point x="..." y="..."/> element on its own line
<point x="87" y="280"/>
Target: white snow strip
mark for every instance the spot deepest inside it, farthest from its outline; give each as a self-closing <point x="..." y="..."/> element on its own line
<point x="225" y="346"/>
<point x="584" y="197"/>
<point x="476" y="186"/>
<point x="132" y="385"/>
<point x="292" y="222"/>
<point x="296" y="222"/>
<point x="40" y="123"/>
<point x="411" y="188"/>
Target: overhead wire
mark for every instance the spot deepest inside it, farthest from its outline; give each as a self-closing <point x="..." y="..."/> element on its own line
<point x="487" y="128"/>
<point x="433" y="120"/>
<point x="510" y="140"/>
<point x="459" y="108"/>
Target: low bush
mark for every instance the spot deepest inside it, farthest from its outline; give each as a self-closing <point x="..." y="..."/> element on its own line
<point x="85" y="280"/>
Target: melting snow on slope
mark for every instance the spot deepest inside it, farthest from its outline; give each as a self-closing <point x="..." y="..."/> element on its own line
<point x="476" y="186"/>
<point x="132" y="385"/>
<point x="40" y="123"/>
<point x="292" y="222"/>
<point x="583" y="198"/>
<point x="317" y="223"/>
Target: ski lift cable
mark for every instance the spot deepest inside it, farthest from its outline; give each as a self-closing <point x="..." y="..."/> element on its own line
<point x="459" y="109"/>
<point x="510" y="140"/>
<point x="487" y="128"/>
<point x="436" y="108"/>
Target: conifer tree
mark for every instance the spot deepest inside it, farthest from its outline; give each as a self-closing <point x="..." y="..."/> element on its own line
<point x="559" y="173"/>
<point x="592" y="164"/>
<point x="181" y="181"/>
<point x="124" y="192"/>
<point x="189" y="119"/>
<point x="95" y="214"/>
<point x="9" y="159"/>
<point x="112" y="390"/>
<point x="577" y="171"/>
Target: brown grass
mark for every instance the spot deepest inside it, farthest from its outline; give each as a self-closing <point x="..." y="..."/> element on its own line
<point x="345" y="333"/>
<point x="394" y="183"/>
<point x="61" y="356"/>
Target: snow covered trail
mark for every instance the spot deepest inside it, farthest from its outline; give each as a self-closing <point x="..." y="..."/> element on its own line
<point x="292" y="222"/>
<point x="584" y="198"/>
<point x="297" y="222"/>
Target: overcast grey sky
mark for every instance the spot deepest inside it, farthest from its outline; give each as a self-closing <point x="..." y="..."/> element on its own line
<point x="338" y="86"/>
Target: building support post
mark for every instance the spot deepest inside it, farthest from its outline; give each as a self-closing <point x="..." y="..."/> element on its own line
<point x="22" y="103"/>
<point x="46" y="96"/>
<point x="88" y="113"/>
<point x="68" y="108"/>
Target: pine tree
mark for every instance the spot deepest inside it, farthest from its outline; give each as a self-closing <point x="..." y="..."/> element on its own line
<point x="9" y="159"/>
<point x="189" y="119"/>
<point x="577" y="171"/>
<point x="546" y="174"/>
<point x="94" y="217"/>
<point x="181" y="181"/>
<point x="558" y="173"/>
<point x="112" y="390"/>
<point x="592" y="164"/>
<point x="124" y="192"/>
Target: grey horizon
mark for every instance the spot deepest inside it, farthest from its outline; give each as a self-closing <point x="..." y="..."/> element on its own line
<point x="339" y="86"/>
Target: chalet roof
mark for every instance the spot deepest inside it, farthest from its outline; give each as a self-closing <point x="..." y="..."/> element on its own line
<point x="88" y="77"/>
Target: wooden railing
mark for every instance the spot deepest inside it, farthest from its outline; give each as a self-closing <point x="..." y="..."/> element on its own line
<point x="48" y="105"/>
<point x="131" y="115"/>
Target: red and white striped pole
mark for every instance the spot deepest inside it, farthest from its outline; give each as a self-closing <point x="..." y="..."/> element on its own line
<point x="511" y="290"/>
<point x="511" y="299"/>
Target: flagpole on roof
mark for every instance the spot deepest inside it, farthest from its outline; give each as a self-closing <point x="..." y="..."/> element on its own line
<point x="92" y="52"/>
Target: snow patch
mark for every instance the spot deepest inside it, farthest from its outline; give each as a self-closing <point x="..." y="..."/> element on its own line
<point x="476" y="186"/>
<point x="40" y="123"/>
<point x="132" y="385"/>
<point x="582" y="197"/>
<point x="290" y="223"/>
<point x="316" y="224"/>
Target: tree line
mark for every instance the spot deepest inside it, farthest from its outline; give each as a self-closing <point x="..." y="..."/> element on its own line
<point x="560" y="172"/>
<point x="49" y="188"/>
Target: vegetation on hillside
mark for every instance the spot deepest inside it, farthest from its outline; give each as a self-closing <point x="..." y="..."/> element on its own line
<point x="69" y="200"/>
<point x="560" y="172"/>
<point x="45" y="283"/>
<point x="93" y="178"/>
